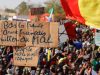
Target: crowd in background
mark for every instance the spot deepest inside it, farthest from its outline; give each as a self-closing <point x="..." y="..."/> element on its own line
<point x="73" y="57"/>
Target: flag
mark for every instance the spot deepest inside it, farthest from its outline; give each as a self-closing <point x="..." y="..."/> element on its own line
<point x="49" y="54"/>
<point x="71" y="30"/>
<point x="51" y="12"/>
<point x="50" y="17"/>
<point x="84" y="11"/>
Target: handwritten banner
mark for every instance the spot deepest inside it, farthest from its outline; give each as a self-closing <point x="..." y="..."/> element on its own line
<point x="41" y="34"/>
<point x="26" y="56"/>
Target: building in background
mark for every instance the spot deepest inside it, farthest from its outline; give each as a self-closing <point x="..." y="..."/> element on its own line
<point x="6" y="15"/>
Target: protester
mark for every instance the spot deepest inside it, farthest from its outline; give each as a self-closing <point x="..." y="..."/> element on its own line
<point x="73" y="57"/>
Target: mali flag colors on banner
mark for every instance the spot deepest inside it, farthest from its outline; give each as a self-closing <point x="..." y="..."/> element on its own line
<point x="84" y="11"/>
<point x="71" y="30"/>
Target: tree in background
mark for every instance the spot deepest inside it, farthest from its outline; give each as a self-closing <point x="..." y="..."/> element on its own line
<point x="10" y="10"/>
<point x="22" y="8"/>
<point x="58" y="11"/>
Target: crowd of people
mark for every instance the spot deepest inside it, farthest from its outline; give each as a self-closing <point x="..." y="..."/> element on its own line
<point x="73" y="57"/>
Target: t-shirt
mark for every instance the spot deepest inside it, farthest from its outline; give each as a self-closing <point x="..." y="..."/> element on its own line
<point x="57" y="51"/>
<point x="94" y="63"/>
<point x="93" y="72"/>
<point x="78" y="45"/>
<point x="86" y="43"/>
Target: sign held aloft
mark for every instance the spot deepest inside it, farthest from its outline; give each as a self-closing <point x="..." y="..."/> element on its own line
<point x="41" y="34"/>
<point x="26" y="56"/>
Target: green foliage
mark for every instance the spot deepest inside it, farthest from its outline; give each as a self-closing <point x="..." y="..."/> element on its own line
<point x="23" y="9"/>
<point x="58" y="11"/>
<point x="10" y="10"/>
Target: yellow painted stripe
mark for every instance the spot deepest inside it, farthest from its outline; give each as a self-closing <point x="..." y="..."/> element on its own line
<point x="90" y="11"/>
